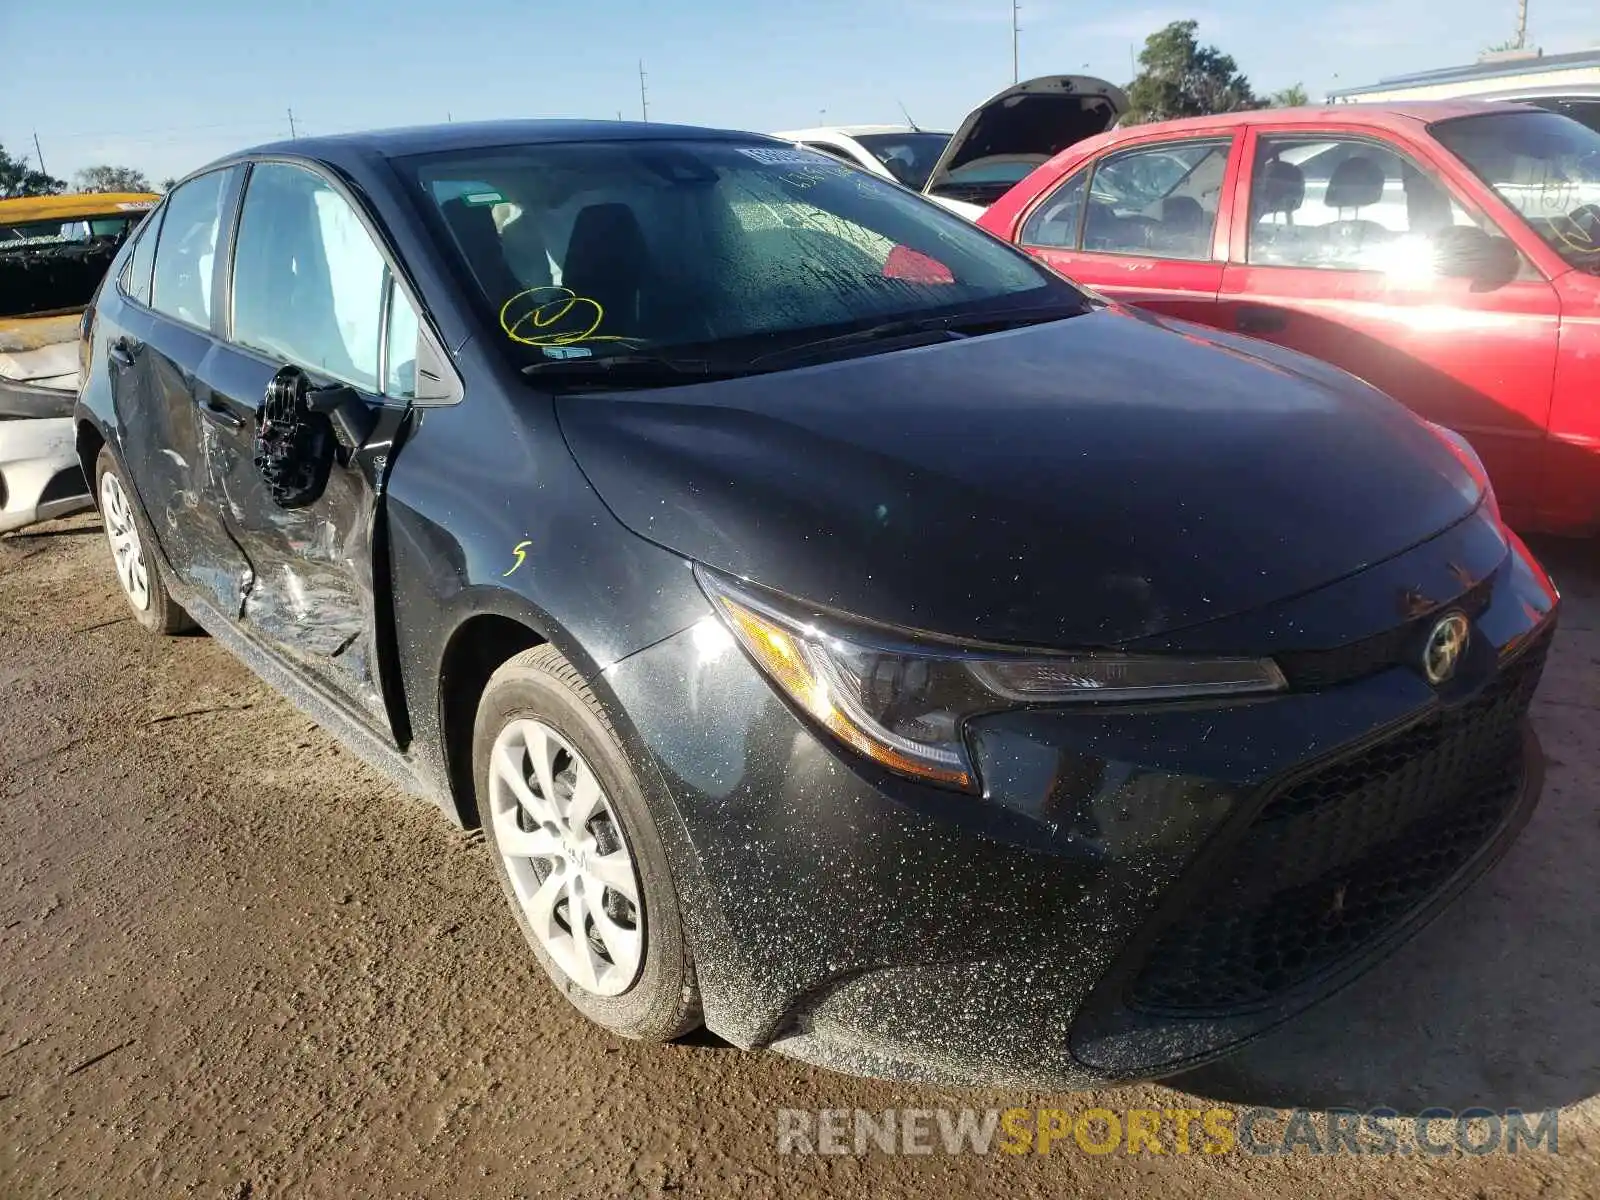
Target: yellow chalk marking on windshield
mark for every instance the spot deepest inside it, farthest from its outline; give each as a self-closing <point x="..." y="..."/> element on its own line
<point x="545" y="313"/>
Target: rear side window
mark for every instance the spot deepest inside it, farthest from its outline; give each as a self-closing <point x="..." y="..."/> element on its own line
<point x="136" y="276"/>
<point x="1055" y="223"/>
<point x="1159" y="201"/>
<point x="185" y="258"/>
<point x="307" y="279"/>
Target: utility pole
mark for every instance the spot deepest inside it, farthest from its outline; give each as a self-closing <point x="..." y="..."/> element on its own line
<point x="38" y="153"/>
<point x="1522" y="24"/>
<point x="1016" y="6"/>
<point x="291" y="124"/>
<point x="644" y="105"/>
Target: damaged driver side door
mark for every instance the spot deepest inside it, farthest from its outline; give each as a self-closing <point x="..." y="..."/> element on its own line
<point x="313" y="386"/>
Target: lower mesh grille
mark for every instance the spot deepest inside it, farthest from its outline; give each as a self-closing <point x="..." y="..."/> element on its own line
<point x="1339" y="857"/>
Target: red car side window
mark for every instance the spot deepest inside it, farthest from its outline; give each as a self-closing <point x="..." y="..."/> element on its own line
<point x="1057" y="222"/>
<point x="1342" y="203"/>
<point x="1157" y="201"/>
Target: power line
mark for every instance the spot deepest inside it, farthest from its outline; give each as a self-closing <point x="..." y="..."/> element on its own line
<point x="167" y="130"/>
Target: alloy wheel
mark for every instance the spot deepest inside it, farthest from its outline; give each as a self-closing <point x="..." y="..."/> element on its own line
<point x="569" y="864"/>
<point x="123" y="534"/>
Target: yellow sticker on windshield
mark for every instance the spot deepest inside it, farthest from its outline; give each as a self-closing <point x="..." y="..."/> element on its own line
<point x="553" y="316"/>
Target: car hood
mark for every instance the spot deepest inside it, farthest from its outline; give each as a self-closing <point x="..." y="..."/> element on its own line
<point x="1080" y="483"/>
<point x="1030" y="122"/>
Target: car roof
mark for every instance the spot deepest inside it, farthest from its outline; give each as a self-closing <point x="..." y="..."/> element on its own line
<point x="485" y="135"/>
<point x="85" y="204"/>
<point x="1399" y="114"/>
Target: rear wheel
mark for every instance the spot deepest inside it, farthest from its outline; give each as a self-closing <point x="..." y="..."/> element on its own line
<point x="577" y="852"/>
<point x="132" y="553"/>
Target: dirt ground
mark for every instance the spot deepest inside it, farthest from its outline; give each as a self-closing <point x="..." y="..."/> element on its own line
<point x="235" y="962"/>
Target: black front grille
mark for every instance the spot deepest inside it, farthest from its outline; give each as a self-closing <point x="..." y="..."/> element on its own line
<point x="1342" y="855"/>
<point x="1308" y="670"/>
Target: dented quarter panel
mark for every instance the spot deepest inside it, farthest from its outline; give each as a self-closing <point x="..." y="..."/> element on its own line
<point x="163" y="444"/>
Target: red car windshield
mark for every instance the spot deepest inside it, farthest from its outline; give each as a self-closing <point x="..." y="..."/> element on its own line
<point x="1545" y="166"/>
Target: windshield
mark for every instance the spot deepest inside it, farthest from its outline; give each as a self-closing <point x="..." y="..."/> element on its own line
<point x="584" y="250"/>
<point x="54" y="266"/>
<point x="1545" y="166"/>
<point x="908" y="156"/>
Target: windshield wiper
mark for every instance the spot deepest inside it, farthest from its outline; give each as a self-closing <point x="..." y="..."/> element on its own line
<point x="632" y="370"/>
<point x="953" y="327"/>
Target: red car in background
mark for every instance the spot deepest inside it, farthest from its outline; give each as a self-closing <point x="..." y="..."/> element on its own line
<point x="1448" y="253"/>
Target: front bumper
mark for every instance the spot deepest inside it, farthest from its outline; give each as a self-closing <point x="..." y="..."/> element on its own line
<point x="1057" y="932"/>
<point x="40" y="476"/>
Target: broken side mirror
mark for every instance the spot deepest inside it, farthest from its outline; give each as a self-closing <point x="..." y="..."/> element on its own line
<point x="350" y="416"/>
<point x="294" y="443"/>
<point x="1467" y="252"/>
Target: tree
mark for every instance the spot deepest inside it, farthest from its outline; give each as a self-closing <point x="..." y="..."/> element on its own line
<point x="111" y="179"/>
<point x="19" y="179"/>
<point x="1289" y="97"/>
<point x="1178" y="77"/>
<point x="168" y="183"/>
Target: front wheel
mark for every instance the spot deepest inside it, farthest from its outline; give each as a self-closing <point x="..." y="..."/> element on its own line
<point x="133" y="553"/>
<point x="577" y="852"/>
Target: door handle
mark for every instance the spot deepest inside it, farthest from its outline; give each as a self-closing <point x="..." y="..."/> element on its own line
<point x="218" y="412"/>
<point x="120" y="352"/>
<point x="1252" y="318"/>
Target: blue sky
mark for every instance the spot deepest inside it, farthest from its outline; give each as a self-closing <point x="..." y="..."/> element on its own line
<point x="165" y="85"/>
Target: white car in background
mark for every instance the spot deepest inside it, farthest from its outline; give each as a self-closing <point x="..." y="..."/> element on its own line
<point x="998" y="144"/>
<point x="54" y="251"/>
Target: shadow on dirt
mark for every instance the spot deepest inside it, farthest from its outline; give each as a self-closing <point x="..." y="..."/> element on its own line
<point x="1498" y="1002"/>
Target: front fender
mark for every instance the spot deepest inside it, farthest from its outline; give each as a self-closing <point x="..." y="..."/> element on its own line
<point x="488" y="515"/>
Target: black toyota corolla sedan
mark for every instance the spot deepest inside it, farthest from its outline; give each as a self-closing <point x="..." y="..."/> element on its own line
<point x="847" y="633"/>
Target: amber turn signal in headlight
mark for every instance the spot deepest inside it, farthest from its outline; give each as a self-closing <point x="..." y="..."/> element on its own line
<point x="901" y="699"/>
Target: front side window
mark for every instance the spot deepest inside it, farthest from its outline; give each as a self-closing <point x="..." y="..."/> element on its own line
<point x="308" y="281"/>
<point x="630" y="247"/>
<point x="400" y="375"/>
<point x="1344" y="203"/>
<point x="1159" y="200"/>
<point x="186" y="252"/>
<point x="1545" y="166"/>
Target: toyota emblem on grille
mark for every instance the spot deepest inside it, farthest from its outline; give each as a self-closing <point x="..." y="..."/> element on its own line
<point x="1446" y="644"/>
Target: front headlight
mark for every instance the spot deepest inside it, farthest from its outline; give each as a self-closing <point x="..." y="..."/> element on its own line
<point x="902" y="699"/>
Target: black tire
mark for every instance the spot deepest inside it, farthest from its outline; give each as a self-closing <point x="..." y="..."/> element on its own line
<point x="161" y="613"/>
<point x="663" y="1002"/>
